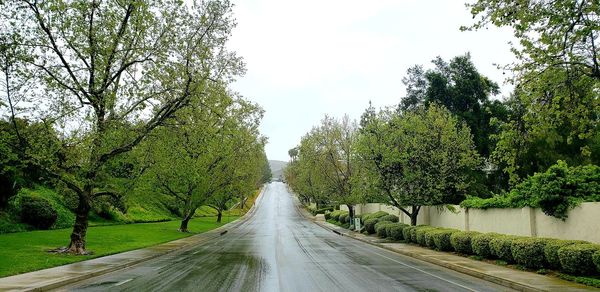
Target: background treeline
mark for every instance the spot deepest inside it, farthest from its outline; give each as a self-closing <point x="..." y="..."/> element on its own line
<point x="451" y="141"/>
<point x="120" y="111"/>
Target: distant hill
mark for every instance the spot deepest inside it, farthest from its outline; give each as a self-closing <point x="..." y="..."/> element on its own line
<point x="277" y="168"/>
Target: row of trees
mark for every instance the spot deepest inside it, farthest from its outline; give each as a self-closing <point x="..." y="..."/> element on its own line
<point x="127" y="89"/>
<point x="449" y="137"/>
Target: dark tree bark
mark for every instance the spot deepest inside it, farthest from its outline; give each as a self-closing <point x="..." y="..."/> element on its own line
<point x="77" y="244"/>
<point x="219" y="216"/>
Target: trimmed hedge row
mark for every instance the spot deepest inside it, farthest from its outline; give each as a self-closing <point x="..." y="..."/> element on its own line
<point x="572" y="256"/>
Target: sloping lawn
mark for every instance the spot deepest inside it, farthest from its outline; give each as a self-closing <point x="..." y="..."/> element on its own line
<point x="27" y="251"/>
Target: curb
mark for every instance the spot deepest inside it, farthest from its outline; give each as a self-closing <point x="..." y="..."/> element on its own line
<point x="497" y="280"/>
<point x="219" y="231"/>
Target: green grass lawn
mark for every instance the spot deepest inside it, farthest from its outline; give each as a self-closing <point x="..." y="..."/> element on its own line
<point x="27" y="251"/>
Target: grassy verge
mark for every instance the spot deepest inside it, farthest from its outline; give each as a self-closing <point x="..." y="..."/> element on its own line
<point x="27" y="251"/>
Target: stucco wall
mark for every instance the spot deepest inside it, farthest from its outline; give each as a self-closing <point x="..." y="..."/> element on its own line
<point x="583" y="222"/>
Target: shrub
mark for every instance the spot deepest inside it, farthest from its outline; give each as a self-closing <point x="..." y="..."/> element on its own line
<point x="322" y="210"/>
<point x="481" y="244"/>
<point x="596" y="259"/>
<point x="327" y="215"/>
<point x="335" y="215"/>
<point x="429" y="237"/>
<point x="342" y="218"/>
<point x="500" y="247"/>
<point x="380" y="228"/>
<point x="370" y="225"/>
<point x="577" y="259"/>
<point x="529" y="252"/>
<point x="390" y="218"/>
<point x="420" y="234"/>
<point x="406" y="231"/>
<point x="374" y="215"/>
<point x="551" y="251"/>
<point x="395" y="231"/>
<point x="37" y="212"/>
<point x="461" y="241"/>
<point x="441" y="238"/>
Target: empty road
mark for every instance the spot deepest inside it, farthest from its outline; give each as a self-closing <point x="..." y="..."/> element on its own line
<point x="276" y="249"/>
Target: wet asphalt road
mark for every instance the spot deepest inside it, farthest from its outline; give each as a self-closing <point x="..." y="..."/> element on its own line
<point x="277" y="249"/>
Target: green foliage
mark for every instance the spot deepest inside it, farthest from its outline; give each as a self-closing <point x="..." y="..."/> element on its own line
<point x="596" y="259"/>
<point x="555" y="191"/>
<point x="435" y="156"/>
<point x="406" y="232"/>
<point x="481" y="244"/>
<point x="551" y="251"/>
<point x="441" y="238"/>
<point x="592" y="282"/>
<point x="335" y="215"/>
<point x="37" y="212"/>
<point x="344" y="217"/>
<point x="529" y="252"/>
<point x="420" y="234"/>
<point x="429" y="237"/>
<point x="390" y="218"/>
<point x="370" y="225"/>
<point x="375" y="215"/>
<point x="500" y="247"/>
<point x="380" y="228"/>
<point x="396" y="231"/>
<point x="461" y="241"/>
<point x="577" y="259"/>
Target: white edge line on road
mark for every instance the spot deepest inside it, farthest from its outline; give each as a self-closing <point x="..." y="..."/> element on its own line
<point x="123" y="282"/>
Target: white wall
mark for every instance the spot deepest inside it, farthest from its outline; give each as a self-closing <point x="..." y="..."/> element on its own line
<point x="583" y="222"/>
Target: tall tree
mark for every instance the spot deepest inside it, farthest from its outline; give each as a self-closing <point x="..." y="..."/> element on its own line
<point x="415" y="158"/>
<point x="103" y="64"/>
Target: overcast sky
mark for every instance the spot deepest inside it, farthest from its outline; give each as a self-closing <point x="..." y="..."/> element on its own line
<point x="309" y="58"/>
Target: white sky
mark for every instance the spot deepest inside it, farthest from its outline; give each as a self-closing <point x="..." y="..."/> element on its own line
<point x="309" y="58"/>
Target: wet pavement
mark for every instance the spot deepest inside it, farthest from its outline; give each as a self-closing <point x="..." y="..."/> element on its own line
<point x="277" y="249"/>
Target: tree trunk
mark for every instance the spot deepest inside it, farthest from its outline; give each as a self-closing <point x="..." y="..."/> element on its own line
<point x="413" y="215"/>
<point x="219" y="216"/>
<point x="350" y="212"/>
<point x="184" y="223"/>
<point x="77" y="245"/>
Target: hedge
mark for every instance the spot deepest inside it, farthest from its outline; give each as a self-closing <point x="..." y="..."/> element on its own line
<point x="500" y="247"/>
<point x="596" y="259"/>
<point x="441" y="238"/>
<point x="390" y="218"/>
<point x="374" y="215"/>
<point x="577" y="259"/>
<point x="429" y="241"/>
<point x="420" y="234"/>
<point x="335" y="215"/>
<point x="461" y="241"/>
<point x="370" y="225"/>
<point x="395" y="231"/>
<point x="551" y="251"/>
<point x="529" y="252"/>
<point x="481" y="244"/>
<point x="380" y="228"/>
<point x="37" y="212"/>
<point x="406" y="232"/>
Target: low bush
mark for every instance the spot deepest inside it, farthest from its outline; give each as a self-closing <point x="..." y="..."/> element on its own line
<point x="481" y="244"/>
<point x="551" y="251"/>
<point x="342" y="218"/>
<point x="461" y="241"/>
<point x="500" y="247"/>
<point x="390" y="218"/>
<point x="322" y="210"/>
<point x="395" y="231"/>
<point x="577" y="259"/>
<point x="406" y="231"/>
<point x="596" y="260"/>
<point x="429" y="240"/>
<point x="380" y="228"/>
<point x="374" y="215"/>
<point x="370" y="225"/>
<point x="441" y="238"/>
<point x="37" y="212"/>
<point x="420" y="234"/>
<point x="327" y="215"/>
<point x="335" y="215"/>
<point x="529" y="252"/>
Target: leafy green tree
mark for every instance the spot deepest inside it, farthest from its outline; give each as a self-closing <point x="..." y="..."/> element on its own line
<point x="104" y="64"/>
<point x="414" y="158"/>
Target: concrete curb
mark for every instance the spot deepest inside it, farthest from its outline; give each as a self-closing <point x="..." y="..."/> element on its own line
<point x="54" y="283"/>
<point x="519" y="286"/>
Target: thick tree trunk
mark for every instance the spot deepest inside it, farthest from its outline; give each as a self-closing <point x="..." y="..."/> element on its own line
<point x="77" y="245"/>
<point x="350" y="212"/>
<point x="413" y="215"/>
<point x="219" y="216"/>
<point x="184" y="223"/>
